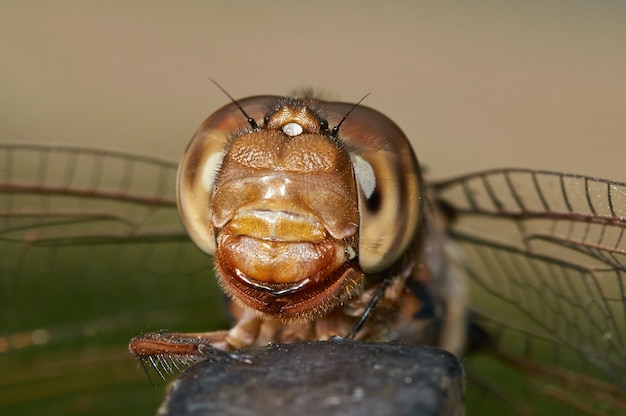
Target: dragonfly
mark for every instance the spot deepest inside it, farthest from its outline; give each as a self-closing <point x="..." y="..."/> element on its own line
<point x="93" y="252"/>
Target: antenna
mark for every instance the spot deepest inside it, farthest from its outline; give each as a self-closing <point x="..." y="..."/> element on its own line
<point x="250" y="119"/>
<point x="335" y="130"/>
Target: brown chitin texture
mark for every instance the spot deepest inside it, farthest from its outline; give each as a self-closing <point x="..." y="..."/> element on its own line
<point x="285" y="207"/>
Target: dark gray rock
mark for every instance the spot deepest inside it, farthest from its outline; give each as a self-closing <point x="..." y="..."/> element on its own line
<point x="336" y="377"/>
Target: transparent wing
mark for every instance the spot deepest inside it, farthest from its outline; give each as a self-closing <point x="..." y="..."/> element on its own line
<point x="91" y="254"/>
<point x="545" y="257"/>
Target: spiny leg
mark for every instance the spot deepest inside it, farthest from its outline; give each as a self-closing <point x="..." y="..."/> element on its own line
<point x="166" y="351"/>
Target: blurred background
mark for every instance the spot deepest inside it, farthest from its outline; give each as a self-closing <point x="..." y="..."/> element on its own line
<point x="474" y="85"/>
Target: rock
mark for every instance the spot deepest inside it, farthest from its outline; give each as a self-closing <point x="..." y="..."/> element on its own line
<point x="335" y="377"/>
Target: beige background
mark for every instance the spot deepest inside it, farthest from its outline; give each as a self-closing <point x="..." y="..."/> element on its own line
<point x="474" y="84"/>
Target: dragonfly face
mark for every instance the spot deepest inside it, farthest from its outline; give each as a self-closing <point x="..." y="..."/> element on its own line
<point x="314" y="215"/>
<point x="290" y="209"/>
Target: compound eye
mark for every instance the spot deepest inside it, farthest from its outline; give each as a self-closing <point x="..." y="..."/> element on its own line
<point x="388" y="180"/>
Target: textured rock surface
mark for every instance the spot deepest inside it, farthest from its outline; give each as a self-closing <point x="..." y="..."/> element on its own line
<point x="336" y="377"/>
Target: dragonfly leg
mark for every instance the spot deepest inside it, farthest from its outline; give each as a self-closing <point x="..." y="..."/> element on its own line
<point x="181" y="345"/>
